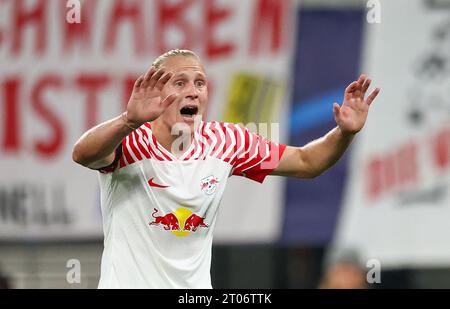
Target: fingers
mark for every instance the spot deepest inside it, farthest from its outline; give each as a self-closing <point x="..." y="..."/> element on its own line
<point x="163" y="80"/>
<point x="169" y="100"/>
<point x="373" y="95"/>
<point x="351" y="87"/>
<point x="365" y="86"/>
<point x="359" y="85"/>
<point x="358" y="88"/>
<point x="139" y="81"/>
<point x="155" y="78"/>
<point x="336" y="109"/>
<point x="147" y="77"/>
<point x="362" y="78"/>
<point x="350" y="90"/>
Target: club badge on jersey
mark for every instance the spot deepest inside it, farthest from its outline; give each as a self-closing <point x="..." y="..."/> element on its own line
<point x="209" y="184"/>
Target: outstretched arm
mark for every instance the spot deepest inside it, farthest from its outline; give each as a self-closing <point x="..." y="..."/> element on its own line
<point x="316" y="157"/>
<point x="96" y="147"/>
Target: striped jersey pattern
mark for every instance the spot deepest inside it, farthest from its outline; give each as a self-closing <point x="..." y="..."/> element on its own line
<point x="249" y="154"/>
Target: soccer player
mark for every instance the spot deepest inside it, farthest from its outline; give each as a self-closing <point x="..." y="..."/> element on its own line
<point x="160" y="189"/>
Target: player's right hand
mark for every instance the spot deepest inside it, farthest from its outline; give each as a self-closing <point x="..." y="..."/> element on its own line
<point x="146" y="103"/>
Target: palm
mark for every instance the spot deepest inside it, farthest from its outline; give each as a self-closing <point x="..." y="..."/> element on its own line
<point x="146" y="103"/>
<point x="352" y="114"/>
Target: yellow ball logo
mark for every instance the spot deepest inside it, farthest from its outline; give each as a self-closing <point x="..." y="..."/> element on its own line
<point x="182" y="214"/>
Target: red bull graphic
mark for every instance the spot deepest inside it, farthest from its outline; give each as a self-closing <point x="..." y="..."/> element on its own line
<point x="181" y="222"/>
<point x="193" y="222"/>
<point x="170" y="221"/>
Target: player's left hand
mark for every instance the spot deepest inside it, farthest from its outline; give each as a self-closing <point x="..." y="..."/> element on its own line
<point x="352" y="114"/>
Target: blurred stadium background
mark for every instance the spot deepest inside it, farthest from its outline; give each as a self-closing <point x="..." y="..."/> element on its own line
<point x="384" y="207"/>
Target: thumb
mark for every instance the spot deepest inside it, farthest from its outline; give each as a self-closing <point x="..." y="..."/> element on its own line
<point x="336" y="109"/>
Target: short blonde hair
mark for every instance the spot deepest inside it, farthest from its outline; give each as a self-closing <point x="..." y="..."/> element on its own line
<point x="172" y="53"/>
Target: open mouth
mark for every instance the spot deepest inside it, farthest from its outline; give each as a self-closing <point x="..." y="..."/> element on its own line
<point x="189" y="111"/>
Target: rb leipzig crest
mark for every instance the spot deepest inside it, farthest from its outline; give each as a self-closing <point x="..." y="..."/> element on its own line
<point x="209" y="185"/>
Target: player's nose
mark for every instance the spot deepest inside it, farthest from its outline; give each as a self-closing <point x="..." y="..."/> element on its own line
<point x="191" y="92"/>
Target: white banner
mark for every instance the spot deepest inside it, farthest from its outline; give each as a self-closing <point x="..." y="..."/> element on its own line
<point x="59" y="77"/>
<point x="397" y="204"/>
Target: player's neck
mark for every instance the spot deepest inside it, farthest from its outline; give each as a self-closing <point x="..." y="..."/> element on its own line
<point x="163" y="135"/>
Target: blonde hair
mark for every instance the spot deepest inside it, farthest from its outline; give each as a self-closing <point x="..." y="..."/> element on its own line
<point x="172" y="53"/>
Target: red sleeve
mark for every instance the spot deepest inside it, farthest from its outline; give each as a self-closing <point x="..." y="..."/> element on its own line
<point x="258" y="158"/>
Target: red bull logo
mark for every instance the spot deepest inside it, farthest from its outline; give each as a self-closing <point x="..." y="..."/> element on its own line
<point x="181" y="222"/>
<point x="193" y="222"/>
<point x="169" y="221"/>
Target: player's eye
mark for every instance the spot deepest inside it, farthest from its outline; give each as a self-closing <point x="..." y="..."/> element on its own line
<point x="179" y="83"/>
<point x="200" y="83"/>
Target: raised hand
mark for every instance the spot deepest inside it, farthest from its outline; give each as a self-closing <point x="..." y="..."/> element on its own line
<point x="146" y="103"/>
<point x="352" y="115"/>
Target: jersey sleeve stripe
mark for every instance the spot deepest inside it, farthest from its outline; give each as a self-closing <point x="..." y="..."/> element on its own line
<point x="257" y="161"/>
<point x="248" y="162"/>
<point x="122" y="162"/>
<point x="240" y="143"/>
<point x="132" y="142"/>
<point x="146" y="132"/>
<point x="154" y="155"/>
<point x="230" y="144"/>
<point x="126" y="152"/>
<point x="129" y="142"/>
<point x="222" y="140"/>
<point x="141" y="144"/>
<point x="211" y="138"/>
<point x="198" y="146"/>
<point x="203" y="143"/>
<point x="154" y="145"/>
<point x="191" y="153"/>
<point x="248" y="143"/>
<point x="154" y="150"/>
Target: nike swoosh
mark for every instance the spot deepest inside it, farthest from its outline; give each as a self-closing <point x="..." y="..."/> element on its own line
<point x="152" y="184"/>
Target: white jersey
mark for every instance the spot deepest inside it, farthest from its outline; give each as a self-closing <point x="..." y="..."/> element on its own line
<point x="159" y="211"/>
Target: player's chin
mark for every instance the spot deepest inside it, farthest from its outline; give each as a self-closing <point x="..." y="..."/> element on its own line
<point x="190" y="119"/>
<point x="184" y="122"/>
